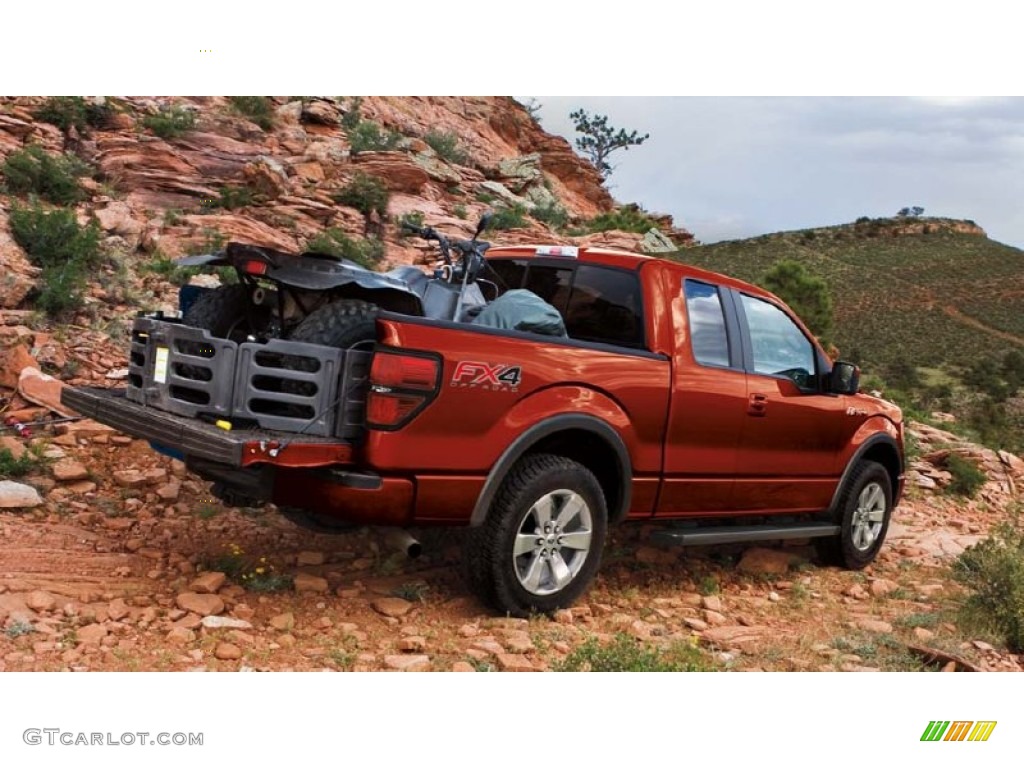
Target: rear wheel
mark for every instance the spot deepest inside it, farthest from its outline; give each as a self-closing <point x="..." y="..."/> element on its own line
<point x="863" y="514"/>
<point x="540" y="546"/>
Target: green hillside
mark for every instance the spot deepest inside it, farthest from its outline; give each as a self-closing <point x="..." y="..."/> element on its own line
<point x="913" y="290"/>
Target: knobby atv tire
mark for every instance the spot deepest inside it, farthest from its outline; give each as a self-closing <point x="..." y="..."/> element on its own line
<point x="841" y="550"/>
<point x="341" y="324"/>
<point x="488" y="560"/>
<point x="219" y="310"/>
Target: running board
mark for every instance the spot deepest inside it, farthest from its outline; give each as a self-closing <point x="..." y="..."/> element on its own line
<point x="732" y="534"/>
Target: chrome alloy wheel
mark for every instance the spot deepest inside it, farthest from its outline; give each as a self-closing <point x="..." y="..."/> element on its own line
<point x="553" y="542"/>
<point x="867" y="520"/>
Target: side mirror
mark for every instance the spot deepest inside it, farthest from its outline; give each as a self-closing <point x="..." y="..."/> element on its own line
<point x="844" y="379"/>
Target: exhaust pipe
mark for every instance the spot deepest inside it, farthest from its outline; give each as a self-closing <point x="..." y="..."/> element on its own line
<point x="399" y="538"/>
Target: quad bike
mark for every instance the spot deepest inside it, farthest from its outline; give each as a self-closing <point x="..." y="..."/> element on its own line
<point x="319" y="299"/>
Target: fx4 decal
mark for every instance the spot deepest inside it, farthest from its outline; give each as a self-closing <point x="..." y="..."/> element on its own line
<point x="476" y="375"/>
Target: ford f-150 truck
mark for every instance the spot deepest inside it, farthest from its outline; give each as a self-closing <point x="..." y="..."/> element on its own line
<point x="678" y="396"/>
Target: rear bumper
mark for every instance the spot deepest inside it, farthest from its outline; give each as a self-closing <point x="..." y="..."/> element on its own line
<point x="191" y="437"/>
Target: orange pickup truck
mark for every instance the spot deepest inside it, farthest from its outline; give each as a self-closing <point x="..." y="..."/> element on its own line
<point x="676" y="395"/>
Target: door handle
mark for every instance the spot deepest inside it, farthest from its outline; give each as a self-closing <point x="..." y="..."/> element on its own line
<point x="757" y="405"/>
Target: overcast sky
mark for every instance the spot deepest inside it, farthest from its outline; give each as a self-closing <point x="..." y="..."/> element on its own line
<point x="731" y="167"/>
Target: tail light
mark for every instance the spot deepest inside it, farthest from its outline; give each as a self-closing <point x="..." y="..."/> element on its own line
<point x="401" y="385"/>
<point x="254" y="267"/>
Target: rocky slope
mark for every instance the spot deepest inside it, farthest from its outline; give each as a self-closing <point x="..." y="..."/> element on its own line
<point x="157" y="196"/>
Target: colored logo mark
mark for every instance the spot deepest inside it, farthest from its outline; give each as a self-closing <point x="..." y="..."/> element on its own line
<point x="958" y="730"/>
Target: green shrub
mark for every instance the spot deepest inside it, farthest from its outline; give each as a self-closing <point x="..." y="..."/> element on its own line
<point x="460" y="211"/>
<point x="168" y="269"/>
<point x="368" y="136"/>
<point x="171" y="122"/>
<point x="65" y="250"/>
<point x="352" y="116"/>
<point x="413" y="219"/>
<point x="510" y="217"/>
<point x="485" y="197"/>
<point x="447" y="146"/>
<point x="967" y="477"/>
<point x="17" y="467"/>
<point x="54" y="238"/>
<point x="993" y="571"/>
<point x="61" y="289"/>
<point x="68" y="112"/>
<point x="552" y="214"/>
<point x="626" y="654"/>
<point x="53" y="177"/>
<point x="366" y="194"/>
<point x="259" y="109"/>
<point x="628" y="218"/>
<point x="231" y="198"/>
<point x="336" y="243"/>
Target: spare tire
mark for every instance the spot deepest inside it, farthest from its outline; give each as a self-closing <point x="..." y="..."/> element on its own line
<point x="342" y="324"/>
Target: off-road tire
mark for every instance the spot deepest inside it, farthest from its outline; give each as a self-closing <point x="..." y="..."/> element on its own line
<point x="866" y="496"/>
<point x="490" y="566"/>
<point x="219" y="310"/>
<point x="341" y="324"/>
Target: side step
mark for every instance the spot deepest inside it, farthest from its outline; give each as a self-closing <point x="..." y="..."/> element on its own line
<point x="733" y="534"/>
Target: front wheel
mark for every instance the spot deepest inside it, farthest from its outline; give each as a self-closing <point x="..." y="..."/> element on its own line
<point x="863" y="513"/>
<point x="540" y="546"/>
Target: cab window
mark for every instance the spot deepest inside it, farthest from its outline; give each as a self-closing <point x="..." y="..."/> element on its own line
<point x="779" y="347"/>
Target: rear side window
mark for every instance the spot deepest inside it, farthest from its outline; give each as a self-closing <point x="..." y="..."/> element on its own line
<point x="605" y="306"/>
<point x="708" y="336"/>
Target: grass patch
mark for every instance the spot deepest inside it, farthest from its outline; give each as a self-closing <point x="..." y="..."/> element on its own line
<point x="414" y="592"/>
<point x="914" y="620"/>
<point x="168" y="269"/>
<point x="366" y="194"/>
<point x="709" y="585"/>
<point x="34" y="171"/>
<point x="993" y="572"/>
<point x="509" y="217"/>
<point x="26" y="464"/>
<point x="626" y="654"/>
<point x="552" y="214"/>
<point x="170" y="122"/>
<point x="447" y="146"/>
<point x="230" y="198"/>
<point x="628" y="218"/>
<point x="460" y="211"/>
<point x="335" y="242"/>
<point x="259" y="109"/>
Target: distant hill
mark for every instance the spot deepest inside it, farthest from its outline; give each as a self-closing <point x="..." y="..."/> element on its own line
<point x="934" y="292"/>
